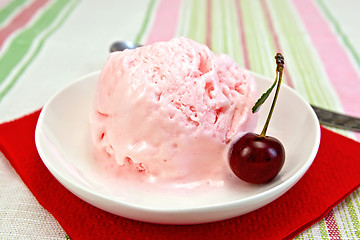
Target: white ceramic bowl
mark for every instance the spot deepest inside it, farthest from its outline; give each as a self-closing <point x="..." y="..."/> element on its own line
<point x="62" y="140"/>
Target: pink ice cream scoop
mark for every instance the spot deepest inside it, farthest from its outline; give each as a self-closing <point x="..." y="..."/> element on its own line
<point x="166" y="112"/>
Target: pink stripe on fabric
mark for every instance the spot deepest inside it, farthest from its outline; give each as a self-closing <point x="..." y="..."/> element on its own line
<point x="4" y="2"/>
<point x="166" y="20"/>
<point x="336" y="62"/>
<point x="242" y="35"/>
<point x="275" y="39"/>
<point x="332" y="227"/>
<point x="20" y="20"/>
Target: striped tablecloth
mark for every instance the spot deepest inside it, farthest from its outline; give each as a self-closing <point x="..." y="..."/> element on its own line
<point x="46" y="44"/>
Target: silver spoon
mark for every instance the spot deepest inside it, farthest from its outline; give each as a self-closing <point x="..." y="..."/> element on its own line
<point x="325" y="117"/>
<point x="122" y="45"/>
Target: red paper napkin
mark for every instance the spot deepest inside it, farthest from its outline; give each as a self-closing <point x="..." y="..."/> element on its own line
<point x="333" y="176"/>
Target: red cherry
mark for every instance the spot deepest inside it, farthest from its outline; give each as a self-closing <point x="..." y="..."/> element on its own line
<point x="256" y="159"/>
<point x="259" y="158"/>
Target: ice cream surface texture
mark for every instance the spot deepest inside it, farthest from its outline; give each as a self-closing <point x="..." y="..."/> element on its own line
<point x="166" y="112"/>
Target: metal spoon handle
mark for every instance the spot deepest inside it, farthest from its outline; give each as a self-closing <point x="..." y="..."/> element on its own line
<point x="337" y="120"/>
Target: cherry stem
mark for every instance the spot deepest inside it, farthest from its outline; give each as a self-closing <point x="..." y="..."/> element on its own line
<point x="279" y="72"/>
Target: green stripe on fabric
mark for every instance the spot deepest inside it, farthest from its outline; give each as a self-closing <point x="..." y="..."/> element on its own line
<point x="23" y="41"/>
<point x="323" y="230"/>
<point x="11" y="7"/>
<point x="261" y="49"/>
<point x="201" y="21"/>
<point x="310" y="234"/>
<point x="235" y="50"/>
<point x="17" y="50"/>
<point x="339" y="31"/>
<point x="216" y="32"/>
<point x="297" y="52"/>
<point x="353" y="216"/>
<point x="197" y="21"/>
<point x="308" y="74"/>
<point x="224" y="27"/>
<point x="184" y="19"/>
<point x="193" y="20"/>
<point x="146" y="21"/>
<point x="342" y="211"/>
<point x="225" y="35"/>
<point x="356" y="198"/>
